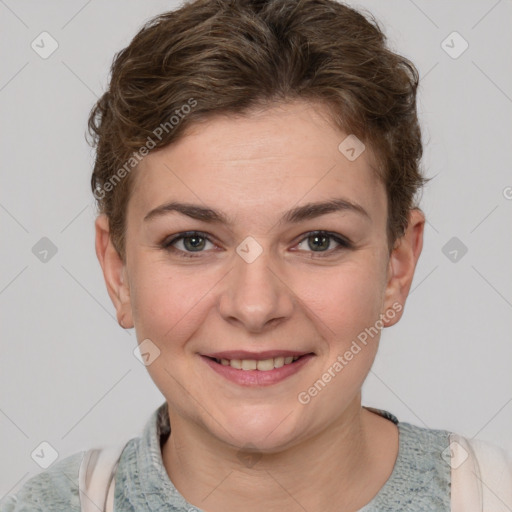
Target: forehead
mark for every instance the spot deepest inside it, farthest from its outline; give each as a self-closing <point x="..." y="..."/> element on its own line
<point x="277" y="157"/>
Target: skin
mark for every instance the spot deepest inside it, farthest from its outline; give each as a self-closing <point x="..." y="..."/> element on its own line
<point x="292" y="297"/>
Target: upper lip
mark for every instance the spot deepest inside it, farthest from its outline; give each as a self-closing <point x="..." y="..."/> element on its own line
<point x="258" y="356"/>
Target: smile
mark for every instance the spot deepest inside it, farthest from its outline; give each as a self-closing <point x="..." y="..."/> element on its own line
<point x="264" y="365"/>
<point x="258" y="372"/>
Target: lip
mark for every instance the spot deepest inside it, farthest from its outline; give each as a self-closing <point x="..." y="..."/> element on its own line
<point x="255" y="378"/>
<point x="257" y="356"/>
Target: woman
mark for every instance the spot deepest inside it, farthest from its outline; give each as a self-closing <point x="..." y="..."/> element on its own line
<point x="256" y="173"/>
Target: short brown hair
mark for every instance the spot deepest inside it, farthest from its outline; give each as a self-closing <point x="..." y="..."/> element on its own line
<point x="228" y="56"/>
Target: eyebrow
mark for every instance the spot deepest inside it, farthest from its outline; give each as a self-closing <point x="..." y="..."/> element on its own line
<point x="295" y="215"/>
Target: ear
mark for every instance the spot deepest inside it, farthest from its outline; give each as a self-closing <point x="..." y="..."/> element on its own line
<point x="402" y="263"/>
<point x="114" y="272"/>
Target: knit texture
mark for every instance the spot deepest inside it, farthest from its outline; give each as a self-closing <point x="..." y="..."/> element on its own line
<point x="419" y="482"/>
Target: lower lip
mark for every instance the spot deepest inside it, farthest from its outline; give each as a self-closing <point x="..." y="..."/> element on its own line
<point x="258" y="377"/>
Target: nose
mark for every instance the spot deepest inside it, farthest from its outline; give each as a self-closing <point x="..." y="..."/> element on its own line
<point x="255" y="295"/>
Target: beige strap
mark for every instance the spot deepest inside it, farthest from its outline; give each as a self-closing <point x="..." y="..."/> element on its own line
<point x="109" y="506"/>
<point x="466" y="489"/>
<point x="481" y="476"/>
<point x="96" y="479"/>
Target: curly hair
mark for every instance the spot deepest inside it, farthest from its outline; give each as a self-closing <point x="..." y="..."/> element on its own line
<point x="230" y="56"/>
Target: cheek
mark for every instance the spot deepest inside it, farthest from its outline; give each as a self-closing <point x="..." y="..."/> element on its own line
<point x="167" y="302"/>
<point x="345" y="300"/>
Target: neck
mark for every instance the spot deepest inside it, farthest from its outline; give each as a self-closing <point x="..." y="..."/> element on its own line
<point x="341" y="468"/>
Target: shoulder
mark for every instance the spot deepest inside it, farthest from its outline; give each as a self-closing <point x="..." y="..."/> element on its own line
<point x="423" y="444"/>
<point x="422" y="477"/>
<point x="490" y="455"/>
<point x="481" y="475"/>
<point x="54" y="489"/>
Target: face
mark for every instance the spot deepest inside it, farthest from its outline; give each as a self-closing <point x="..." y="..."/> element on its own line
<point x="247" y="272"/>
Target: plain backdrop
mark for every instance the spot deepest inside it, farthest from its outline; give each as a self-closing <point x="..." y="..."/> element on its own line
<point x="68" y="375"/>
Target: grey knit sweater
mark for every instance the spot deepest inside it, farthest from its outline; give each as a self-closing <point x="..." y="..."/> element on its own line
<point x="420" y="480"/>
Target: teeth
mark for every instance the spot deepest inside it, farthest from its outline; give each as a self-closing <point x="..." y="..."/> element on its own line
<point x="278" y="362"/>
<point x="249" y="364"/>
<point x="264" y="365"/>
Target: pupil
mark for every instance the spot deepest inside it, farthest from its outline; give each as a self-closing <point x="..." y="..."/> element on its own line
<point x="194" y="242"/>
<point x="320" y="237"/>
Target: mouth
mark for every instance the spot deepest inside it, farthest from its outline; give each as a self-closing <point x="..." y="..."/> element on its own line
<point x="262" y="369"/>
<point x="263" y="365"/>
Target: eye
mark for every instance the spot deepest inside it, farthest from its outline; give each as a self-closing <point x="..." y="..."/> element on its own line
<point x="320" y="242"/>
<point x="187" y="243"/>
<point x="190" y="242"/>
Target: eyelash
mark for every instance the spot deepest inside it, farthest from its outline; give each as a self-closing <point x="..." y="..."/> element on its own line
<point x="168" y="243"/>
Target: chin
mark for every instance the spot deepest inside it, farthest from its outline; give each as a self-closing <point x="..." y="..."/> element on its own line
<point x="265" y="429"/>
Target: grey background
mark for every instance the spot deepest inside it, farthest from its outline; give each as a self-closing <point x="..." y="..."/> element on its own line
<point x="68" y="375"/>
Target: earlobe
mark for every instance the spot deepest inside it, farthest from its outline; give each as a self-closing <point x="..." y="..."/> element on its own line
<point x="114" y="271"/>
<point x="402" y="263"/>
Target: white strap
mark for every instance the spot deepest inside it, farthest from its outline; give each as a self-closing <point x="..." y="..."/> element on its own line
<point x="96" y="479"/>
<point x="481" y="476"/>
<point x="466" y="489"/>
